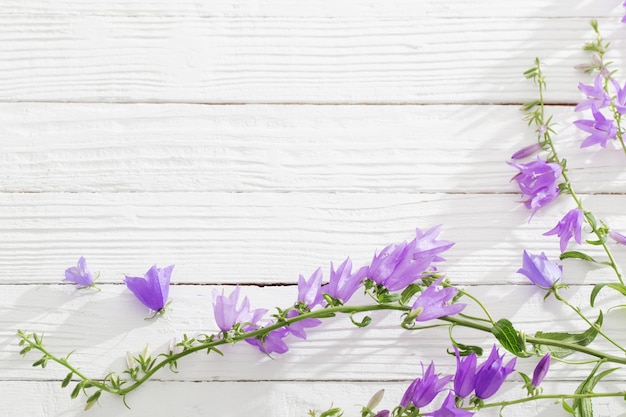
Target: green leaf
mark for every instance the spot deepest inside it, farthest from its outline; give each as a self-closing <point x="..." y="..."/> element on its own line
<point x="508" y="337"/>
<point x="596" y="290"/>
<point x="577" y="255"/>
<point x="568" y="407"/>
<point x="366" y="320"/>
<point x="583" y="406"/>
<point x="76" y="390"/>
<point x="580" y="339"/>
<point x="408" y="293"/>
<point x="67" y="380"/>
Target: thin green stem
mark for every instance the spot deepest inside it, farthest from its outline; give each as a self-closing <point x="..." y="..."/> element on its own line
<point x="554" y="396"/>
<point x="480" y="304"/>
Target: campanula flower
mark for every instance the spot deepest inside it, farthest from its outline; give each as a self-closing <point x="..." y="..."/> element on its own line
<point x="595" y="95"/>
<point x="310" y="292"/>
<point x="448" y="409"/>
<point x="527" y="151"/>
<point x="618" y="237"/>
<point x="465" y="374"/>
<point x="395" y="268"/>
<point x="343" y="283"/>
<point x="539" y="270"/>
<point x="620" y="97"/>
<point x="229" y="310"/>
<point x="153" y="288"/>
<point x="601" y="129"/>
<point x="297" y="328"/>
<point x="538" y="181"/>
<point x="382" y="413"/>
<point x="427" y="248"/>
<point x="569" y="226"/>
<point x="432" y="303"/>
<point x="541" y="370"/>
<point x="79" y="274"/>
<point x="423" y="390"/>
<point x="491" y="374"/>
<point x="272" y="342"/>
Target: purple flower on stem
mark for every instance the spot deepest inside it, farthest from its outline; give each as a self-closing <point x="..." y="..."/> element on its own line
<point x="229" y="310"/>
<point x="601" y="129"/>
<point x="423" y="390"/>
<point x="79" y="274"/>
<point x="539" y="270"/>
<point x="382" y="413"/>
<point x="541" y="370"/>
<point x="432" y="303"/>
<point x="491" y="374"/>
<point x="595" y="95"/>
<point x="569" y="226"/>
<point x="272" y="342"/>
<point x="297" y="328"/>
<point x="526" y="151"/>
<point x="448" y="409"/>
<point x="620" y="97"/>
<point x="153" y="288"/>
<point x="427" y="248"/>
<point x="538" y="181"/>
<point x="310" y="292"/>
<point x="343" y="284"/>
<point x="465" y="374"/>
<point x="618" y="237"/>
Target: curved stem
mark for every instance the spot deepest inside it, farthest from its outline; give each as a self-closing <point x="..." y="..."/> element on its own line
<point x="554" y="396"/>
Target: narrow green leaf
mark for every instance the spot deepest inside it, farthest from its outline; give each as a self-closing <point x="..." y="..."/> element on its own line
<point x="408" y="293"/>
<point x="67" y="380"/>
<point x="568" y="407"/>
<point x="577" y="255"/>
<point x="508" y="337"/>
<point x="581" y="339"/>
<point x="366" y="320"/>
<point x="596" y="290"/>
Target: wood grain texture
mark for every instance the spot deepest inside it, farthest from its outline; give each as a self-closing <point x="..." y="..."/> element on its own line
<point x="409" y="59"/>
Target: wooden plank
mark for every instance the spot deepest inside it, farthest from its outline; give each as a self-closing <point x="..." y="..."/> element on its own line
<point x="100" y="327"/>
<point x="407" y="59"/>
<point x="169" y="147"/>
<point x="272" y="238"/>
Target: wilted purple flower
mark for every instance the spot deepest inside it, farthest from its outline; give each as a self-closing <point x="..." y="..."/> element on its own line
<point x="541" y="370"/>
<point x="423" y="390"/>
<point x="310" y="292"/>
<point x="595" y="95"/>
<point x="343" y="284"/>
<point x="153" y="288"/>
<point x="539" y="270"/>
<point x="448" y="409"/>
<point x="427" y="248"/>
<point x="538" y="181"/>
<point x="569" y="226"/>
<point x="465" y="374"/>
<point x="601" y="130"/>
<point x="432" y="302"/>
<point x="527" y="151"/>
<point x="79" y="274"/>
<point x="491" y="374"/>
<point x="618" y="237"/>
<point x="272" y="342"/>
<point x="229" y="310"/>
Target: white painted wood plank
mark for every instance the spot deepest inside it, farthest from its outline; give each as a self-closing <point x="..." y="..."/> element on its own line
<point x="265" y="237"/>
<point x="408" y="59"/>
<point x="102" y="326"/>
<point x="399" y="149"/>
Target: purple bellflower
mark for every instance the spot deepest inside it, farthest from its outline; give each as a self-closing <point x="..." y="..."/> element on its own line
<point x="491" y="374"/>
<point x="382" y="413"/>
<point x="569" y="226"/>
<point x="601" y="129"/>
<point x="541" y="370"/>
<point x="272" y="342"/>
<point x="538" y="182"/>
<point x="595" y="95"/>
<point x="618" y="237"/>
<point x="343" y="283"/>
<point x="423" y="390"/>
<point x="432" y="302"/>
<point x="427" y="248"/>
<point x="539" y="270"/>
<point x="620" y="97"/>
<point x="79" y="274"/>
<point x="465" y="374"/>
<point x="297" y="328"/>
<point x="229" y="310"/>
<point x="448" y="409"/>
<point x="153" y="288"/>
<point x="527" y="151"/>
<point x="310" y="292"/>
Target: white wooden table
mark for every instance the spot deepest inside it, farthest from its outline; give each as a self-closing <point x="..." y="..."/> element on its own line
<point x="250" y="143"/>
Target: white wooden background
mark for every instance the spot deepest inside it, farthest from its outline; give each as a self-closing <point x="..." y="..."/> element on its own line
<point x="248" y="142"/>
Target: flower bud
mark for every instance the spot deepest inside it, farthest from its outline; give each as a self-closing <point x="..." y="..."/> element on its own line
<point x="375" y="400"/>
<point x="130" y="361"/>
<point x="541" y="370"/>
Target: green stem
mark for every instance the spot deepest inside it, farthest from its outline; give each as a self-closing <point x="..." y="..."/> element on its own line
<point x="554" y="396"/>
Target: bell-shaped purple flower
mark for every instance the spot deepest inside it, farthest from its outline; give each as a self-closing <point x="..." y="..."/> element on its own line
<point x="620" y="97"/>
<point x="618" y="237"/>
<point x="465" y="374"/>
<point x="79" y="274"/>
<point x="491" y="374"/>
<point x="449" y="409"/>
<point x="423" y="390"/>
<point x="272" y="342"/>
<point x="432" y="303"/>
<point x="569" y="226"/>
<point x="394" y="267"/>
<point x="297" y="328"/>
<point x="427" y="248"/>
<point x="595" y="95"/>
<point x="539" y="270"/>
<point x="153" y="288"/>
<point x="541" y="370"/>
<point x="229" y="310"/>
<point x="343" y="283"/>
<point x="382" y="413"/>
<point x="538" y="181"/>
<point x="310" y="292"/>
<point x="601" y="129"/>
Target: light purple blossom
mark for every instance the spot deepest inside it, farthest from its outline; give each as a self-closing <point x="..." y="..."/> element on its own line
<point x="272" y="342"/>
<point x="569" y="226"/>
<point x="423" y="390"/>
<point x="382" y="413"/>
<point x="79" y="274"/>
<point x="618" y="237"/>
<point x="427" y="248"/>
<point x="297" y="328"/>
<point x="343" y="283"/>
<point x="491" y="374"/>
<point x="432" y="303"/>
<point x="527" y="151"/>
<point x="538" y="182"/>
<point x="539" y="270"/>
<point x="153" y="288"/>
<point x="601" y="129"/>
<point x="620" y="97"/>
<point x="449" y="409"/>
<point x="465" y="374"/>
<point x="595" y="95"/>
<point x="310" y="292"/>
<point x="229" y="310"/>
<point x="541" y="370"/>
